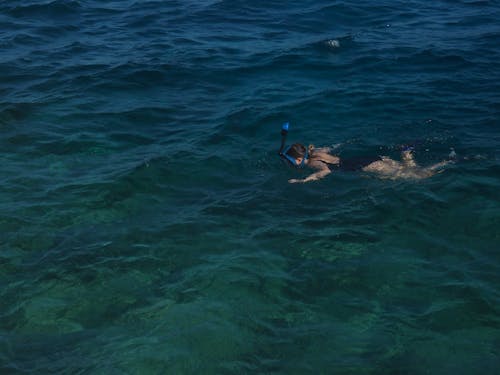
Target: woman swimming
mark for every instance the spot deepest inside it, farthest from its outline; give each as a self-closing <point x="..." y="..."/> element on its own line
<point x="385" y="167"/>
<point x="323" y="162"/>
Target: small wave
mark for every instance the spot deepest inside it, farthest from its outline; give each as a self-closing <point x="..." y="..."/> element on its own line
<point x="10" y="112"/>
<point x="440" y="60"/>
<point x="478" y="3"/>
<point x="332" y="43"/>
<point x="488" y="39"/>
<point x="329" y="45"/>
<point x="337" y="43"/>
<point x="58" y="9"/>
<point x="26" y="39"/>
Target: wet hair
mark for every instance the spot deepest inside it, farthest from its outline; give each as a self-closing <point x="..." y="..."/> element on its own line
<point x="297" y="150"/>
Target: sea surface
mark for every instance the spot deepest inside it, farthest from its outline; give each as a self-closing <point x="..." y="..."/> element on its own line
<point x="147" y="225"/>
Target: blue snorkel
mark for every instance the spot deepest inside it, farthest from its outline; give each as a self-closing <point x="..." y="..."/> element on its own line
<point x="283" y="152"/>
<point x="284" y="132"/>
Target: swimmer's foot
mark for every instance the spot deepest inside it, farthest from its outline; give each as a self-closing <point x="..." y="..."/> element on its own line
<point x="452" y="156"/>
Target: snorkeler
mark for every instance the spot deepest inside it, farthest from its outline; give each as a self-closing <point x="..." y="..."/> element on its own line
<point x="324" y="163"/>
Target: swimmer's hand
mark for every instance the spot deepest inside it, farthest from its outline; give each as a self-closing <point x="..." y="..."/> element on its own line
<point x="301" y="181"/>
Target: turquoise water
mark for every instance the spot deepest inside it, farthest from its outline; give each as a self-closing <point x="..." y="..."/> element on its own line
<point x="147" y="226"/>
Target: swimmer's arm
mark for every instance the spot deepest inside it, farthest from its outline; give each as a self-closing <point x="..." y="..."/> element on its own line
<point x="313" y="177"/>
<point x="323" y="171"/>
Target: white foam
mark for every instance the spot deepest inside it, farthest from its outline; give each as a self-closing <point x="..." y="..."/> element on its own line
<point x="333" y="43"/>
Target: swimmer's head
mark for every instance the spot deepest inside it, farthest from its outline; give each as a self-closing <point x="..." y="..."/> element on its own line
<point x="296" y="154"/>
<point x="297" y="150"/>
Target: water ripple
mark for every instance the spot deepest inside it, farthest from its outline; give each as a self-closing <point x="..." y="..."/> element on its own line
<point x="144" y="211"/>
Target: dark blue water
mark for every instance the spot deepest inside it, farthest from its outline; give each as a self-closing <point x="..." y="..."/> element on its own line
<point x="146" y="223"/>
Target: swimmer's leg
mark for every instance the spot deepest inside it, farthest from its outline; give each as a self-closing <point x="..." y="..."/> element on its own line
<point x="385" y="168"/>
<point x="452" y="159"/>
<point x="439" y="165"/>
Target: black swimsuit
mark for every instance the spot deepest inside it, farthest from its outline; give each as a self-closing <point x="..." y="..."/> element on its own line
<point x="354" y="164"/>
